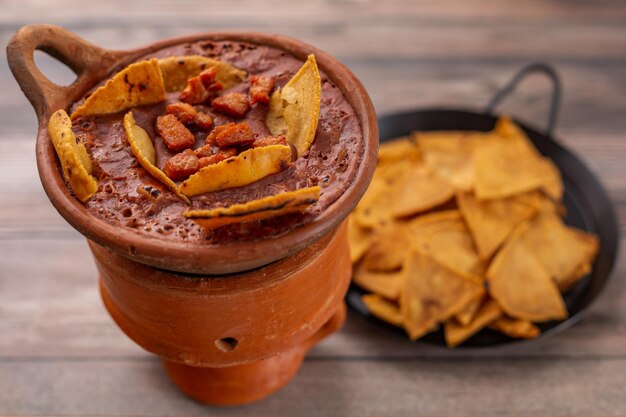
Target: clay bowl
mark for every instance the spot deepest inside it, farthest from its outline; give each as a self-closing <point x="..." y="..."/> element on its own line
<point x="232" y="323"/>
<point x="93" y="64"/>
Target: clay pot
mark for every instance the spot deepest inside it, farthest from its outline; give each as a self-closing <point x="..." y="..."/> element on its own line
<point x="233" y="322"/>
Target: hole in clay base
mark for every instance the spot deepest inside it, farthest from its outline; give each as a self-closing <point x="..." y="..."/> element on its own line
<point x="226" y="344"/>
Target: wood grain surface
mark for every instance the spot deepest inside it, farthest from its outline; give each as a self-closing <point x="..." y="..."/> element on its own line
<point x="60" y="353"/>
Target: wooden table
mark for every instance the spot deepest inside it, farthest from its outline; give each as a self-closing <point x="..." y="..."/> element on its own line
<point x="60" y="353"/>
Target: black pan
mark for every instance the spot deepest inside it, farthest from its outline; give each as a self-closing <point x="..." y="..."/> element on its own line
<point x="587" y="203"/>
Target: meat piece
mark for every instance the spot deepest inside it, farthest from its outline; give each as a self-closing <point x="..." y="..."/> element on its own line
<point x="175" y="135"/>
<point x="184" y="112"/>
<point x="209" y="79"/>
<point x="204" y="121"/>
<point x="213" y="159"/>
<point x="232" y="104"/>
<point x="210" y="150"/>
<point x="260" y="89"/>
<point x="182" y="165"/>
<point x="231" y="134"/>
<point x="195" y="92"/>
<point x="269" y="140"/>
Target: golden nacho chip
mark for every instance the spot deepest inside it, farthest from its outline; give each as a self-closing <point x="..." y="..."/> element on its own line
<point x="508" y="164"/>
<point x="136" y="85"/>
<point x="142" y="147"/>
<point x="262" y="208"/>
<point x="419" y="191"/>
<point x="247" y="167"/>
<point x="385" y="284"/>
<point x="178" y="69"/>
<point x="295" y="109"/>
<point x="358" y="238"/>
<point x="491" y="221"/>
<point x="73" y="156"/>
<point x="554" y="183"/>
<point x="466" y="315"/>
<point x="432" y="293"/>
<point x="396" y="150"/>
<point x="520" y="283"/>
<point x="383" y="309"/>
<point x="565" y="252"/>
<point x="520" y="329"/>
<point x="456" y="333"/>
<point x="373" y="211"/>
<point x="444" y="237"/>
<point x="387" y="249"/>
<point x="449" y="154"/>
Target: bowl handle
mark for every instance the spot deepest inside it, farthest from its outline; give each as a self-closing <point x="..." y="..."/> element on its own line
<point x="90" y="63"/>
<point x="537" y="67"/>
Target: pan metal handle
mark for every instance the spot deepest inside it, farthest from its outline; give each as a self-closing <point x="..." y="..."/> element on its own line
<point x="89" y="62"/>
<point x="555" y="102"/>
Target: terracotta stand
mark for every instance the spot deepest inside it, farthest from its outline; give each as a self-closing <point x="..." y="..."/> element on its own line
<point x="233" y="339"/>
<point x="231" y="322"/>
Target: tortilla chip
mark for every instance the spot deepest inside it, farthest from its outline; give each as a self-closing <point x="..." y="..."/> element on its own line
<point x="245" y="168"/>
<point x="421" y="190"/>
<point x="520" y="329"/>
<point x="383" y="309"/>
<point x="262" y="208"/>
<point x="553" y="186"/>
<point x="295" y="109"/>
<point x="73" y="156"/>
<point x="385" y="284"/>
<point x="432" y="293"/>
<point x="505" y="165"/>
<point x="136" y="85"/>
<point x="467" y="314"/>
<point x="387" y="249"/>
<point x="398" y="149"/>
<point x="373" y="211"/>
<point x="444" y="237"/>
<point x="178" y="69"/>
<point x="359" y="239"/>
<point x="142" y="147"/>
<point x="521" y="285"/>
<point x="491" y="221"/>
<point x="456" y="333"/>
<point x="449" y="154"/>
<point x="565" y="252"/>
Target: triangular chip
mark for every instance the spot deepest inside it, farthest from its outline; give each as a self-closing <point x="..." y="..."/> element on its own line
<point x="467" y="313"/>
<point x="564" y="252"/>
<point x="516" y="328"/>
<point x="444" y="237"/>
<point x="295" y="109"/>
<point x="136" y="85"/>
<point x="449" y="154"/>
<point x="386" y="284"/>
<point x="142" y="147"/>
<point x="396" y="150"/>
<point x="505" y="165"/>
<point x="521" y="285"/>
<point x="553" y="186"/>
<point x="491" y="221"/>
<point x="374" y="209"/>
<point x="421" y="190"/>
<point x="456" y="333"/>
<point x="73" y="156"/>
<point x="383" y="309"/>
<point x="262" y="208"/>
<point x="387" y="249"/>
<point x="178" y="69"/>
<point x="359" y="239"/>
<point x="245" y="168"/>
<point x="432" y="294"/>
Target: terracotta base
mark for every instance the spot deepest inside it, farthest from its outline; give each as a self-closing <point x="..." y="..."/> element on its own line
<point x="228" y="340"/>
<point x="241" y="384"/>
